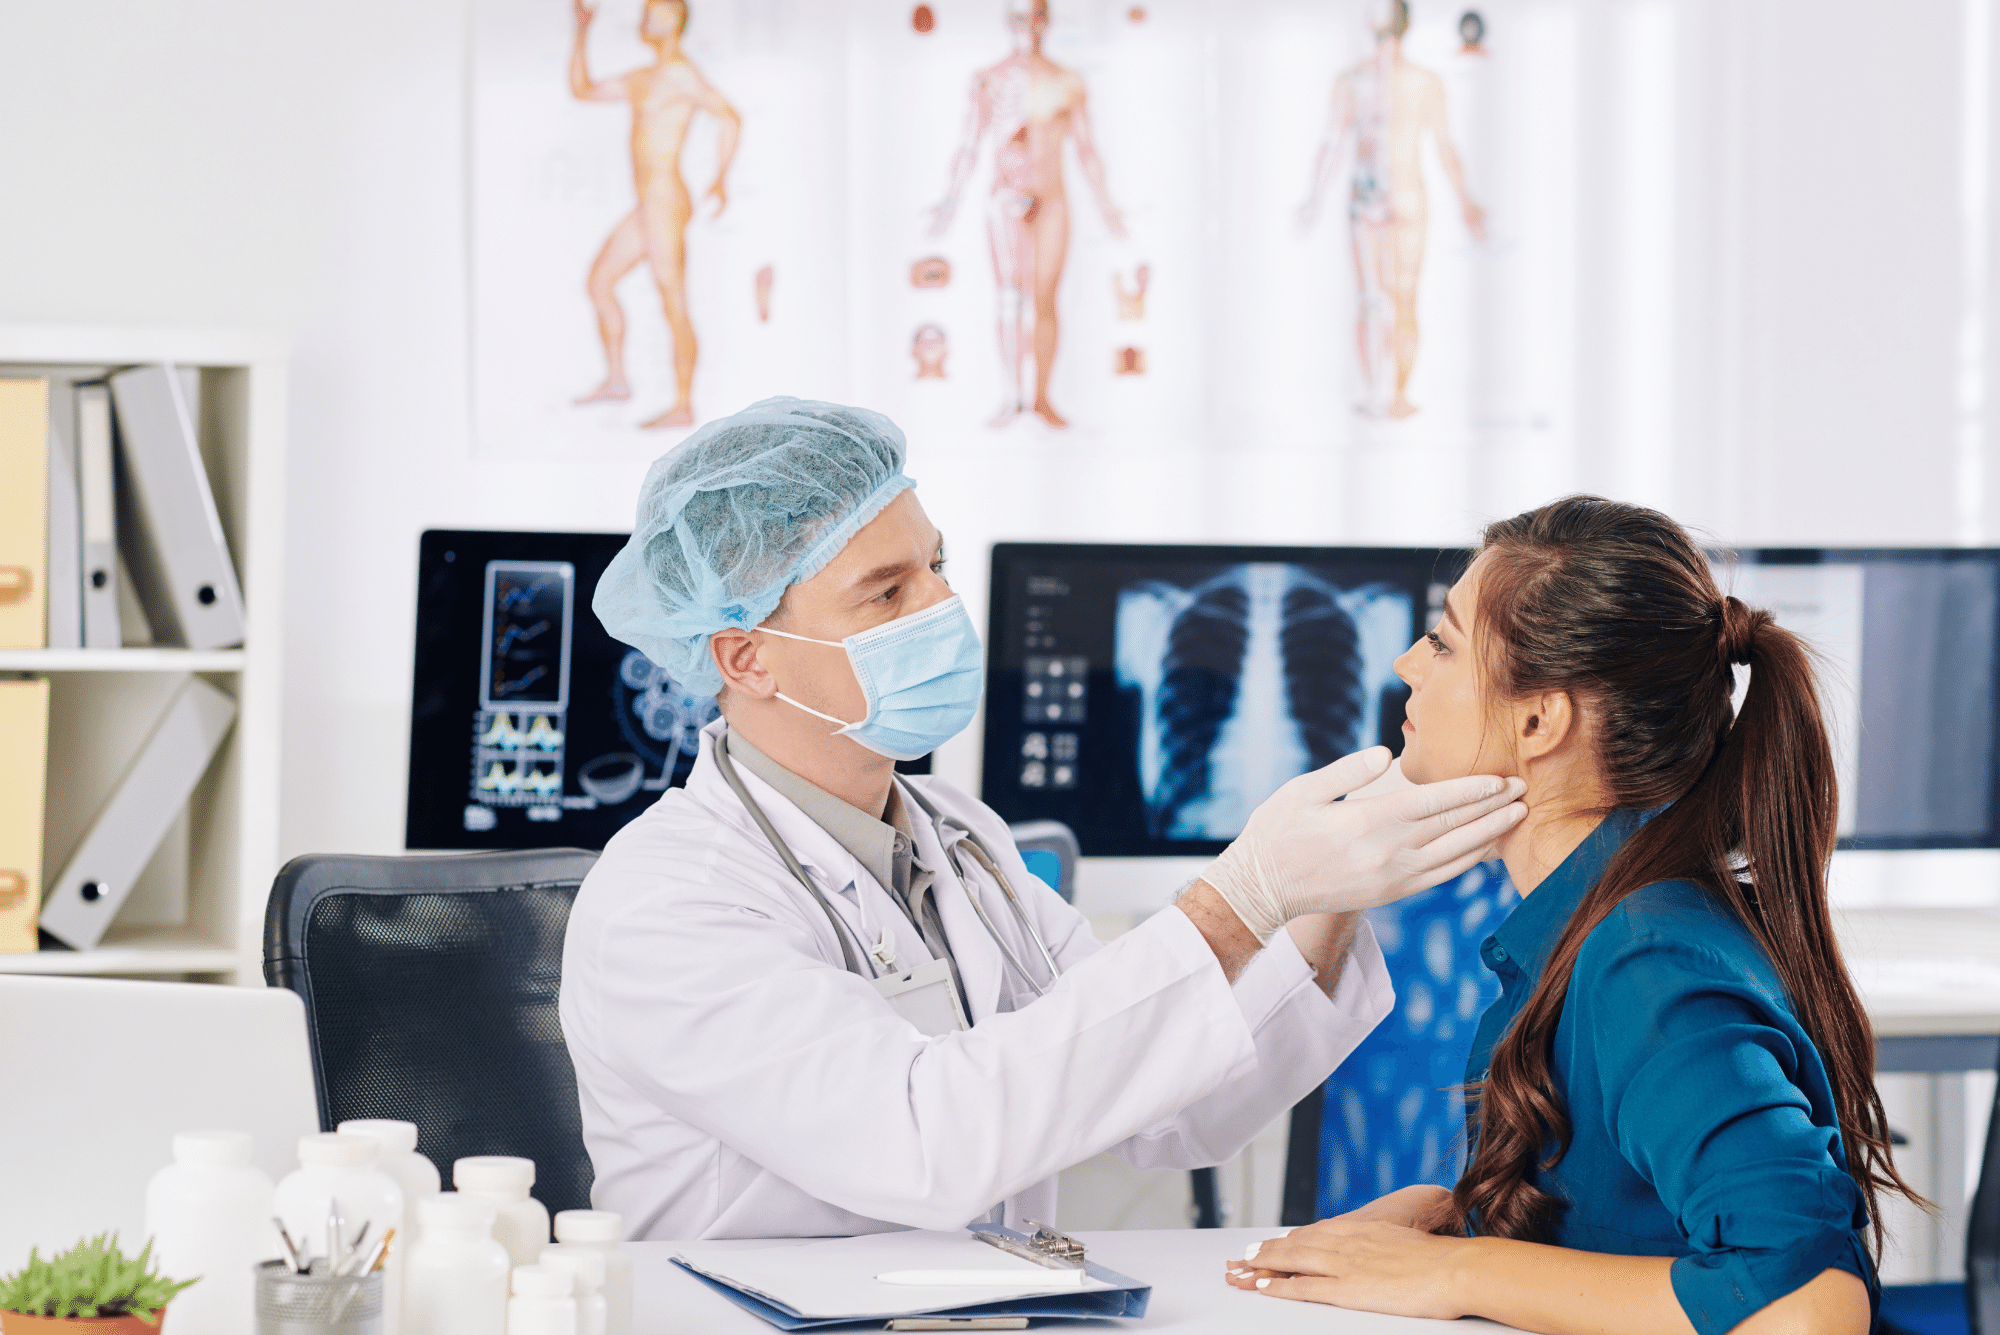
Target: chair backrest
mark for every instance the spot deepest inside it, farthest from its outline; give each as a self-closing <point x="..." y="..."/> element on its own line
<point x="430" y="990"/>
<point x="1982" y="1237"/>
<point x="101" y="1073"/>
<point x="1050" y="850"/>
<point x="1392" y="1114"/>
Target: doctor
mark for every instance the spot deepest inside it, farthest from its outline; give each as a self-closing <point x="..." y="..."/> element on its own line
<point x="807" y="996"/>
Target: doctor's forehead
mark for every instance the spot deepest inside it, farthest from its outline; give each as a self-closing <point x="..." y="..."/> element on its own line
<point x="894" y="543"/>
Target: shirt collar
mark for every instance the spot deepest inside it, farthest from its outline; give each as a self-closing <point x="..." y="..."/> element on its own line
<point x="871" y="841"/>
<point x="1528" y="936"/>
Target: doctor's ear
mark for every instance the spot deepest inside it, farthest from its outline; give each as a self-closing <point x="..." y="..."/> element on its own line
<point x="736" y="659"/>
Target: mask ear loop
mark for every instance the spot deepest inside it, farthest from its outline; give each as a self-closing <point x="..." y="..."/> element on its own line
<point x="807" y="639"/>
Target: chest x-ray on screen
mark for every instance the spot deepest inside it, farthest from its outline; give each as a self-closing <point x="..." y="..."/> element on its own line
<point x="1251" y="676"/>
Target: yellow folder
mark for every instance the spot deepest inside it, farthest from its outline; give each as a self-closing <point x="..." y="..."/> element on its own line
<point x="24" y="514"/>
<point x="24" y="760"/>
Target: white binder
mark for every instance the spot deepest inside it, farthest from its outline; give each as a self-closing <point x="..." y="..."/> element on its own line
<point x="127" y="831"/>
<point x="177" y="553"/>
<point x="97" y="494"/>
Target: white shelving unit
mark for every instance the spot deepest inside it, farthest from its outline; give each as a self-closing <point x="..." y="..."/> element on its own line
<point x="198" y="911"/>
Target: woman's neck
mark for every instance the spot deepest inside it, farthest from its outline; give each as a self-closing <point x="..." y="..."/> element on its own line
<point x="1556" y="823"/>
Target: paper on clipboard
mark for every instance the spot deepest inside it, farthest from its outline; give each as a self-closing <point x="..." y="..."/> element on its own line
<point x="817" y="1283"/>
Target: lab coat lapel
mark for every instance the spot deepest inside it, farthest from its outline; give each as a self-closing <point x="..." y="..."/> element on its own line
<point x="980" y="967"/>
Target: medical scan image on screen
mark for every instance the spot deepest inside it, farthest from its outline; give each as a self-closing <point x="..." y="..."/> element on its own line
<point x="530" y="726"/>
<point x="1254" y="675"/>
<point x="1151" y="697"/>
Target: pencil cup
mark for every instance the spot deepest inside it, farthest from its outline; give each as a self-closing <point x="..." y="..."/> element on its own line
<point x="289" y="1304"/>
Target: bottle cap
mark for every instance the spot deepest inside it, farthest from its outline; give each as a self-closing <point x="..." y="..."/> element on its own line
<point x="213" y="1149"/>
<point x="331" y="1149"/>
<point x="584" y="1263"/>
<point x="493" y="1172"/>
<point x="539" y="1281"/>
<point x="393" y="1137"/>
<point x="589" y="1226"/>
<point x="450" y="1212"/>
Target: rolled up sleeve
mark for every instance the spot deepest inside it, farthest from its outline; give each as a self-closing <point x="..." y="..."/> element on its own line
<point x="1703" y="1095"/>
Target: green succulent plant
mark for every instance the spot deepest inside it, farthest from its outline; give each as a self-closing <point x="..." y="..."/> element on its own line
<point x="91" y="1279"/>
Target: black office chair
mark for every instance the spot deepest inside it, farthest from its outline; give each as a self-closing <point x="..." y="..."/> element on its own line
<point x="430" y="991"/>
<point x="1982" y="1237"/>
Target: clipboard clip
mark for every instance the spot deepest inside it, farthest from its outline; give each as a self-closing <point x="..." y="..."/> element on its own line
<point x="1045" y="1247"/>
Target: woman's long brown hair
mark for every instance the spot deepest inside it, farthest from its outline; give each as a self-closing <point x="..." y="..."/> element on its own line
<point x="1615" y="605"/>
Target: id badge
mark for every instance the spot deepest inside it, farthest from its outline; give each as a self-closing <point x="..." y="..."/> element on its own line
<point x="926" y="998"/>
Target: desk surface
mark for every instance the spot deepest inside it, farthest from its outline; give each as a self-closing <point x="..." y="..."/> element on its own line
<point x="1184" y="1267"/>
<point x="1925" y="972"/>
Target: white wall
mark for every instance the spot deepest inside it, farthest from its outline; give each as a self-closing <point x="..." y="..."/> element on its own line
<point x="301" y="169"/>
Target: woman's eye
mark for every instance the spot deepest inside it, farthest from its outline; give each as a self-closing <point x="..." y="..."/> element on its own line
<point x="1437" y="643"/>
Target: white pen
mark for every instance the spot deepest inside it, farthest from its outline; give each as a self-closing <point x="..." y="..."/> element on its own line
<point x="991" y="1279"/>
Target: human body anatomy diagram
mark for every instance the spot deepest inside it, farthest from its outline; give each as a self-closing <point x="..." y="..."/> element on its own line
<point x="1383" y="110"/>
<point x="664" y="98"/>
<point x="1248" y="678"/>
<point x="1031" y="107"/>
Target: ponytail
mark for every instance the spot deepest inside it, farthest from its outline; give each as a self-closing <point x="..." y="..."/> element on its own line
<point x="1616" y="605"/>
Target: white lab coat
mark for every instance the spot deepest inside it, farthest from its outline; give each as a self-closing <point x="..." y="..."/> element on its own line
<point x="737" y="1082"/>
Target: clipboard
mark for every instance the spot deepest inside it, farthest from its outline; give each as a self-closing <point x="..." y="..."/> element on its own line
<point x="1115" y="1295"/>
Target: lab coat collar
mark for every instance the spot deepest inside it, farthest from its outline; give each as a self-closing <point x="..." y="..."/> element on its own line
<point x="835" y="870"/>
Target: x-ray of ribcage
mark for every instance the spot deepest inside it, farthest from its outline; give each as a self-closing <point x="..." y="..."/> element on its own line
<point x="1247" y="679"/>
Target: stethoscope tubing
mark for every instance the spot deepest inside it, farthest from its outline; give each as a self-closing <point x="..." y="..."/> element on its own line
<point x="842" y="930"/>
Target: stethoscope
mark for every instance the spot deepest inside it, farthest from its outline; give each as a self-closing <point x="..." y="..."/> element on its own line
<point x="851" y="948"/>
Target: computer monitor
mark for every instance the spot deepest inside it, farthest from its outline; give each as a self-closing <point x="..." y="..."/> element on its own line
<point x="529" y="725"/>
<point x="1909" y="641"/>
<point x="1150" y="697"/>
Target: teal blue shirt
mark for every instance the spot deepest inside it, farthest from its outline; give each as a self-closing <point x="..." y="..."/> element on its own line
<point x="1702" y="1120"/>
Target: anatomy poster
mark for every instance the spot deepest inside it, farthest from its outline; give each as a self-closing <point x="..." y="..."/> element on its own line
<point x="1278" y="222"/>
<point x="658" y="227"/>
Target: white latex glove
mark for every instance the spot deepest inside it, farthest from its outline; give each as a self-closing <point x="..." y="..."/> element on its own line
<point x="1304" y="851"/>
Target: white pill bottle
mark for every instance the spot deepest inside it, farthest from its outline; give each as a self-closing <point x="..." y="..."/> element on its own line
<point x="457" y="1278"/>
<point x="602" y="1229"/>
<point x="522" y="1222"/>
<point x="542" y="1303"/>
<point x="338" y="1172"/>
<point x="416" y="1175"/>
<point x="586" y="1276"/>
<point x="209" y="1214"/>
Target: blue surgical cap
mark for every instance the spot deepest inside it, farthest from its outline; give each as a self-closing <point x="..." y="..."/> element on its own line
<point x="736" y="513"/>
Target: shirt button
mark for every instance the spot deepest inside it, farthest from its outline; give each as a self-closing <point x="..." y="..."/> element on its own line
<point x="1500" y="954"/>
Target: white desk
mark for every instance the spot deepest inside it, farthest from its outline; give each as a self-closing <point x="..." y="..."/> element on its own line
<point x="1184" y="1266"/>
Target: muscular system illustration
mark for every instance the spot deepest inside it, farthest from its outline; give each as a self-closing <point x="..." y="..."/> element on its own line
<point x="1384" y="107"/>
<point x="664" y="98"/>
<point x="1031" y="106"/>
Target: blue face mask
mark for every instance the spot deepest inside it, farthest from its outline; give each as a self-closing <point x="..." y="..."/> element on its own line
<point x="922" y="676"/>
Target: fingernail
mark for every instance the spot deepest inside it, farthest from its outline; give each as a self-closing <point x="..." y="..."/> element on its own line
<point x="1263" y="1283"/>
<point x="1247" y="1255"/>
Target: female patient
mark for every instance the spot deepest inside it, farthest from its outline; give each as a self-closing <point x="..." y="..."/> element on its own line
<point x="1676" y="1124"/>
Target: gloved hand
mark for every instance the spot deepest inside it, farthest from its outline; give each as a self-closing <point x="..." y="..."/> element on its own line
<point x="1305" y="852"/>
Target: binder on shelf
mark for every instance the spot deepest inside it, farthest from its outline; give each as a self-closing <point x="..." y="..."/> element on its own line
<point x="24" y="513"/>
<point x="127" y="831"/>
<point x="24" y="724"/>
<point x="97" y="490"/>
<point x="65" y="613"/>
<point x="172" y="533"/>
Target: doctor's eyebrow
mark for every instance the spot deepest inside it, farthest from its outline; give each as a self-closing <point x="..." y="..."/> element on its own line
<point x="896" y="569"/>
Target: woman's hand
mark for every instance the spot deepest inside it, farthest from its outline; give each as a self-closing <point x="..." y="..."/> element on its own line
<point x="1366" y="1263"/>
